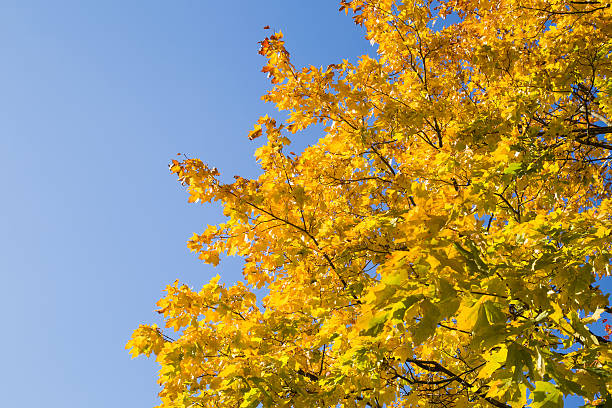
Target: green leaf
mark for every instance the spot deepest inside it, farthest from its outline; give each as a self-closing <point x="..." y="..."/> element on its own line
<point x="490" y="327"/>
<point x="513" y="168"/>
<point x="519" y="357"/>
<point x="428" y="323"/>
<point x="376" y="324"/>
<point x="546" y="395"/>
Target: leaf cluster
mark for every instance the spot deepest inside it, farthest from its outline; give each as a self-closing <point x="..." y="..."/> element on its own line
<point x="439" y="246"/>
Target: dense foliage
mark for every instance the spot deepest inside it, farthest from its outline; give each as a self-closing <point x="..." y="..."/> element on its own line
<point x="441" y="244"/>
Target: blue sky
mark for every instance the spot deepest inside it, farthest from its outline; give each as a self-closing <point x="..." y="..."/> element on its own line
<point x="97" y="98"/>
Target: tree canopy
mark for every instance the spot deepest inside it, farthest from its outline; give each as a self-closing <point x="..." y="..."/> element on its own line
<point x="441" y="245"/>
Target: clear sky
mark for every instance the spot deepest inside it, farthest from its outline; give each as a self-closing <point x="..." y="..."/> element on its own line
<point x="96" y="98"/>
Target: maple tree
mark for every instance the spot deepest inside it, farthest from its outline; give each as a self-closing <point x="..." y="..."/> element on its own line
<point x="440" y="245"/>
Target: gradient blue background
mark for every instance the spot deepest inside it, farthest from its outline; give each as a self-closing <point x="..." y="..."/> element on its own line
<point x="96" y="99"/>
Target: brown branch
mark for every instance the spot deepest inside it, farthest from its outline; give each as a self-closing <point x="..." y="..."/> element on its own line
<point x="434" y="366"/>
<point x="595" y="131"/>
<point x="308" y="375"/>
<point x="305" y="231"/>
<point x="322" y="359"/>
<point x="505" y="200"/>
<point x="572" y="12"/>
<point x="454" y="328"/>
<point x="383" y="160"/>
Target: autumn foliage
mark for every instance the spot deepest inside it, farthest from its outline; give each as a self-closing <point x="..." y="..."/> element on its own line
<point x="441" y="245"/>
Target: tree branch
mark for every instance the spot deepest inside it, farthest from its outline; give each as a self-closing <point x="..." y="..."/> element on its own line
<point x="434" y="366"/>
